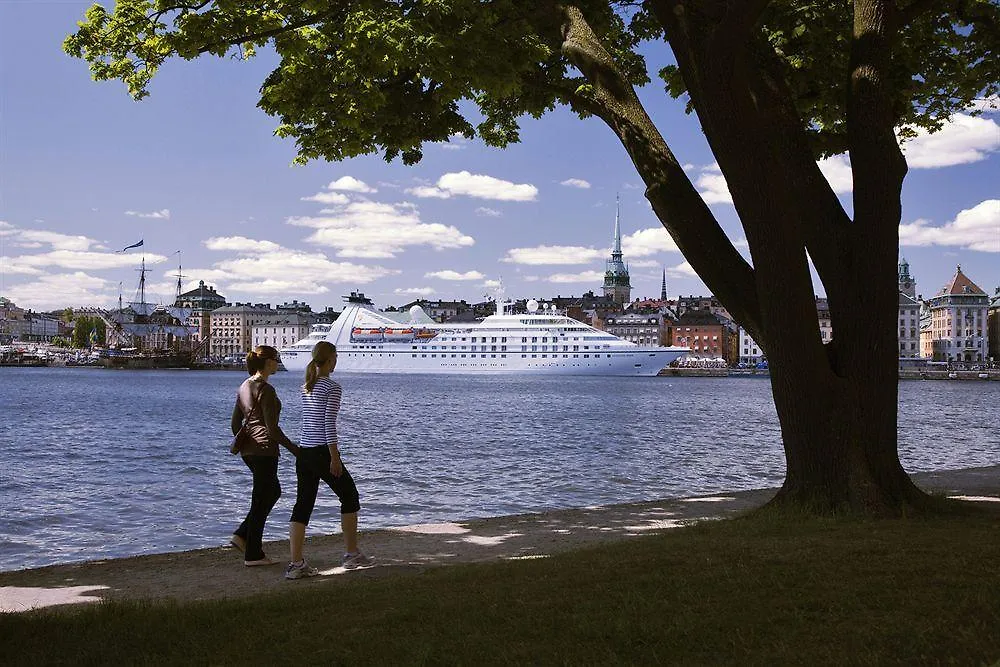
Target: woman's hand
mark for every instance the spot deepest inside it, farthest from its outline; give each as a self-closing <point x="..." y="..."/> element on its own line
<point x="336" y="465"/>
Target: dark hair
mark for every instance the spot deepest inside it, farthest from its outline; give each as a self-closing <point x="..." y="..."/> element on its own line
<point x="258" y="357"/>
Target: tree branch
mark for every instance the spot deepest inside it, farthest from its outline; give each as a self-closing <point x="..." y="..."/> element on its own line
<point x="735" y="26"/>
<point x="674" y="198"/>
<point x="265" y="34"/>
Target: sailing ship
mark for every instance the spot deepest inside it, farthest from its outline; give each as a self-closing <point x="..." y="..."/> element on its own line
<point x="147" y="335"/>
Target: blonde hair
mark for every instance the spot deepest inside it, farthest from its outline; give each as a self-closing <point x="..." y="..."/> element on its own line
<point x="256" y="358"/>
<point x="322" y="352"/>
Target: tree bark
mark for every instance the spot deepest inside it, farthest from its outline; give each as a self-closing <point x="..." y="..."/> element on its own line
<point x="836" y="403"/>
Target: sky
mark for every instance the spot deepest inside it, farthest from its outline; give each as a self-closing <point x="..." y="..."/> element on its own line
<point x="195" y="172"/>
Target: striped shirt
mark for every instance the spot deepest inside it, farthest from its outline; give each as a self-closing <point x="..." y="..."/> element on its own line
<point x="319" y="414"/>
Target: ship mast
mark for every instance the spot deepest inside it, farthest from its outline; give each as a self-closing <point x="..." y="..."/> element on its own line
<point x="179" y="276"/>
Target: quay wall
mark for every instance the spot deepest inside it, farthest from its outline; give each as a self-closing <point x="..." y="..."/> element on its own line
<point x="907" y="374"/>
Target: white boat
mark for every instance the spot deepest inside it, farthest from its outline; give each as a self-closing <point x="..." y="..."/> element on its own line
<point x="536" y="342"/>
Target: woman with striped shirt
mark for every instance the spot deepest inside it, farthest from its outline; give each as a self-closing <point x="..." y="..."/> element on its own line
<point x="319" y="459"/>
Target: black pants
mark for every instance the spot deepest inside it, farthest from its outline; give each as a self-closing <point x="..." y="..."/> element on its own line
<point x="266" y="491"/>
<point x="312" y="465"/>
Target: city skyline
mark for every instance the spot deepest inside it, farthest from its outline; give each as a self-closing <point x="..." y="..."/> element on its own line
<point x="195" y="168"/>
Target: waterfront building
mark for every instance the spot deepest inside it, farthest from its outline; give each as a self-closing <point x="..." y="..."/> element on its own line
<point x="26" y="325"/>
<point x="201" y="301"/>
<point x="641" y="328"/>
<point x="909" y="327"/>
<point x="824" y="319"/>
<point x="907" y="285"/>
<point x="909" y="314"/>
<point x="750" y="352"/>
<point x="294" y="306"/>
<point x="281" y="330"/>
<point x="926" y="331"/>
<point x="958" y="321"/>
<point x="616" y="279"/>
<point x="707" y="335"/>
<point x="993" y="328"/>
<point x="232" y="327"/>
<point x="706" y="303"/>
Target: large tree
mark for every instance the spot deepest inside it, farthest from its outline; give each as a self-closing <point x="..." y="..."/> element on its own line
<point x="775" y="85"/>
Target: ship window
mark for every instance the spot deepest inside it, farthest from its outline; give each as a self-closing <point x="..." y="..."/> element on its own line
<point x="414" y="356"/>
<point x="463" y="356"/>
<point x="524" y="356"/>
<point x="586" y="356"/>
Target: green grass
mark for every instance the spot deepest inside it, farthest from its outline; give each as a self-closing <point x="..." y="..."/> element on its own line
<point x="761" y="590"/>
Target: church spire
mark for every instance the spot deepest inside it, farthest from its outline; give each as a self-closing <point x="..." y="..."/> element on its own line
<point x="616" y="279"/>
<point x="616" y="251"/>
<point x="663" y="286"/>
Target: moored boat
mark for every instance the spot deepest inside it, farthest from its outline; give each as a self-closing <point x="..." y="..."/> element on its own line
<point x="542" y="342"/>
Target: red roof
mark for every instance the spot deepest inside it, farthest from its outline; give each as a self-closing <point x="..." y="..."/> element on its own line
<point x="960" y="284"/>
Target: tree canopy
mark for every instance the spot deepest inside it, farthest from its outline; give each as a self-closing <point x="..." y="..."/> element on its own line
<point x="386" y="76"/>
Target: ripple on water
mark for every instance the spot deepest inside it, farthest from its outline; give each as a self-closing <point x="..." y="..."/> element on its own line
<point x="141" y="466"/>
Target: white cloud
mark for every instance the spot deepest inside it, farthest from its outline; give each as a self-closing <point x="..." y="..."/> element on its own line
<point x="350" y="184"/>
<point x="838" y="173"/>
<point x="479" y="186"/>
<point x="240" y="244"/>
<point x="427" y="192"/>
<point x="582" y="277"/>
<point x="712" y="186"/>
<point x="961" y="140"/>
<point x="298" y="271"/>
<point x="647" y="242"/>
<point x="328" y="198"/>
<point x="491" y="284"/>
<point x="546" y="254"/>
<point x="162" y="214"/>
<point x="576" y="183"/>
<point x="682" y="270"/>
<point x="51" y="291"/>
<point x="488" y="212"/>
<point x="448" y="274"/>
<point x="74" y="260"/>
<point x="416" y="291"/>
<point x="456" y="142"/>
<point x="976" y="228"/>
<point x="55" y="239"/>
<point x="374" y="229"/>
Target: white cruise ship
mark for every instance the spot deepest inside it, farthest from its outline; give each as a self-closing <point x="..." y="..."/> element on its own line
<point x="536" y="342"/>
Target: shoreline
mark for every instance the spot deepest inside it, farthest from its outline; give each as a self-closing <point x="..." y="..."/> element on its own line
<point x="216" y="572"/>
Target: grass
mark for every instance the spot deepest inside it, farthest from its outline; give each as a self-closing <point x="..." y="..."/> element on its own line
<point x="760" y="590"/>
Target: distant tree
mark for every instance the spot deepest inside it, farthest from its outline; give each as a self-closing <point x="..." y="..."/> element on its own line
<point x="775" y="85"/>
<point x="67" y="315"/>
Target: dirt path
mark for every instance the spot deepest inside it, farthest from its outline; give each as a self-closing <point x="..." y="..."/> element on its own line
<point x="219" y="573"/>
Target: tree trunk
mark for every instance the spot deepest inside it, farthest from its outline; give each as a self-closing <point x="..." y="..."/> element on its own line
<point x="837" y="403"/>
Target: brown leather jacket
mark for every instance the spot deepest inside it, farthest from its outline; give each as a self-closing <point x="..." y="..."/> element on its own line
<point x="265" y="433"/>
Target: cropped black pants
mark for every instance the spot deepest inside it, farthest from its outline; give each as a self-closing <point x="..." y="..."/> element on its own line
<point x="312" y="465"/>
<point x="266" y="491"/>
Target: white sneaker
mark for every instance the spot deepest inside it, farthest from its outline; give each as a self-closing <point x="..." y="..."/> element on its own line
<point x="349" y="561"/>
<point x="300" y="570"/>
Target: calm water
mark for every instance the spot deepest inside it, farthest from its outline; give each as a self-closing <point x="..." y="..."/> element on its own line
<point x="103" y="463"/>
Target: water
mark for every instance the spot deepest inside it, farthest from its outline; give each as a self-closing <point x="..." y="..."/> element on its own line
<point x="103" y="463"/>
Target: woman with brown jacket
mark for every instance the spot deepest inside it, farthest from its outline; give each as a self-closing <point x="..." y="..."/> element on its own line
<point x="258" y="399"/>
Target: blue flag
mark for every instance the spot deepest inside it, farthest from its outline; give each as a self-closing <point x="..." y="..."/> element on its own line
<point x="134" y="245"/>
<point x="93" y="336"/>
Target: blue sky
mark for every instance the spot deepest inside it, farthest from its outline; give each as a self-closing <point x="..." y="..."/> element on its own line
<point x="195" y="168"/>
